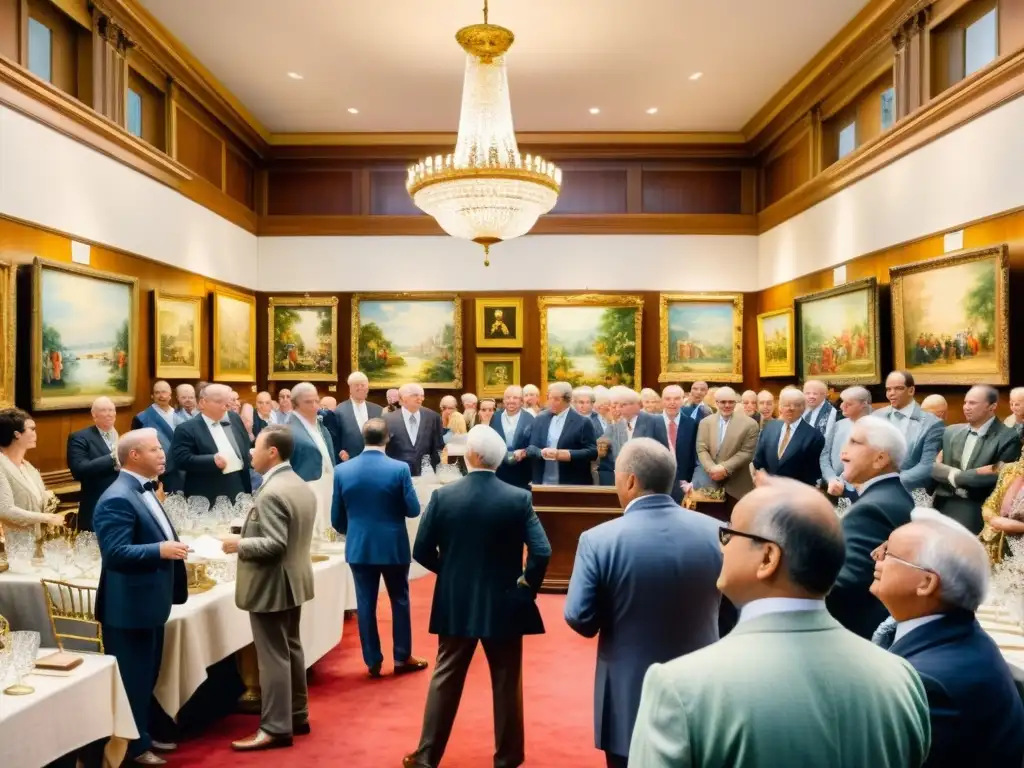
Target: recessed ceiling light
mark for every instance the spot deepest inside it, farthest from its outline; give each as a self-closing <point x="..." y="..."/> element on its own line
<point x="353" y="111"/>
<point x="652" y="111"/>
<point x="696" y="75"/>
<point x="294" y="75"/>
<point x="594" y="111"/>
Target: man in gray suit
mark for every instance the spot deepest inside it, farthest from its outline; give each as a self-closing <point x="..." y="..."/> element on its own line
<point x="855" y="402"/>
<point x="275" y="577"/>
<point x="627" y="572"/>
<point x="353" y="415"/>
<point x="633" y="422"/>
<point x="922" y="430"/>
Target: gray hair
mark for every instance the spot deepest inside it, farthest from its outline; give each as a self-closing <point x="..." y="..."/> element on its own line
<point x="933" y="400"/>
<point x="650" y="462"/>
<point x="883" y="436"/>
<point x="102" y="401"/>
<point x="624" y="394"/>
<point x="856" y="395"/>
<point x="183" y="387"/>
<point x="217" y="392"/>
<point x="583" y="391"/>
<point x="530" y="389"/>
<point x="448" y="400"/>
<point x="649" y="394"/>
<point x="357" y="377"/>
<point x="673" y="388"/>
<point x="411" y="388"/>
<point x="1017" y="392"/>
<point x="469" y="396"/>
<point x="513" y="390"/>
<point x="956" y="556"/>
<point x="561" y="388"/>
<point x="305" y="388"/>
<point x="132" y="440"/>
<point x="792" y="394"/>
<point x="725" y="392"/>
<point x="486" y="445"/>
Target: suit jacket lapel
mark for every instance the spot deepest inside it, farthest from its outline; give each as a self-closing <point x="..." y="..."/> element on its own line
<point x="566" y="430"/>
<point x="957" y="444"/>
<point x="914" y="427"/>
<point x="348" y="414"/>
<point x="798" y="437"/>
<point x="97" y="440"/>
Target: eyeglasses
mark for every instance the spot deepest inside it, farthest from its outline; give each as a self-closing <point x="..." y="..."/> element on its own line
<point x="882" y="553"/>
<point x="725" y="536"/>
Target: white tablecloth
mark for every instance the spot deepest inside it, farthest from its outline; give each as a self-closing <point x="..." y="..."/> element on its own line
<point x="65" y="713"/>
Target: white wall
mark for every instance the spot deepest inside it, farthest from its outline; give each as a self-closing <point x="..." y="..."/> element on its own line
<point x="49" y="179"/>
<point x="968" y="174"/>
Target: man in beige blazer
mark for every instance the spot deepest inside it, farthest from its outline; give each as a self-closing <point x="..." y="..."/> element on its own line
<point x="789" y="686"/>
<point x="726" y="442"/>
<point x="275" y="577"/>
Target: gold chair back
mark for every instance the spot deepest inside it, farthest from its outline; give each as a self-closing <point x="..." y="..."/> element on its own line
<point x="76" y="605"/>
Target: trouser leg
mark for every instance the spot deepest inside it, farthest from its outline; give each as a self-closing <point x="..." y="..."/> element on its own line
<point x="270" y="636"/>
<point x="615" y="761"/>
<point x="367" y="579"/>
<point x="396" y="581"/>
<point x="138" y="659"/>
<point x="300" y="692"/>
<point x="505" y="659"/>
<point x="453" y="657"/>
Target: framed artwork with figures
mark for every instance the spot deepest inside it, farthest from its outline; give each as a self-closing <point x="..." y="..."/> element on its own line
<point x="499" y="323"/>
<point x="234" y="336"/>
<point x="701" y="336"/>
<point x="838" y="334"/>
<point x="495" y="373"/>
<point x="303" y="338"/>
<point x="775" y="343"/>
<point x="177" y="336"/>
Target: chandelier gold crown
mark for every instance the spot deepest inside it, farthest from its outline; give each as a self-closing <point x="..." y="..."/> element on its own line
<point x="485" y="191"/>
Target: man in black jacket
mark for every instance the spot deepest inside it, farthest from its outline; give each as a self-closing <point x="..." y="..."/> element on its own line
<point x="92" y="458"/>
<point x="414" y="431"/>
<point x="789" y="446"/>
<point x="483" y="594"/>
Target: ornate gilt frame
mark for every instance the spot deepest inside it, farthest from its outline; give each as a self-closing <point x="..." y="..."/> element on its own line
<point x="482" y="304"/>
<point x="589" y="300"/>
<point x="218" y="372"/>
<point x="162" y="371"/>
<point x="664" y="375"/>
<point x="764" y="368"/>
<point x="302" y="301"/>
<point x="512" y="357"/>
<point x="896" y="276"/>
<point x="8" y="317"/>
<point x="871" y="285"/>
<point x="357" y="298"/>
<point x="41" y="402"/>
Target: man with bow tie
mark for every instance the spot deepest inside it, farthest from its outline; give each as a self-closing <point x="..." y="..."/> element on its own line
<point x="143" y="575"/>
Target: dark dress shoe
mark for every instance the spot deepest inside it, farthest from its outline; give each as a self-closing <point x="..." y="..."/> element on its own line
<point x="412" y="664"/>
<point x="301" y="728"/>
<point x="261" y="740"/>
<point x="148" y="758"/>
<point x="411" y="761"/>
<point x="163" y="746"/>
<point x="375" y="671"/>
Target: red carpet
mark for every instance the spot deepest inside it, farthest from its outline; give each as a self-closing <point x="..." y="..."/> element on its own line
<point x="363" y="723"/>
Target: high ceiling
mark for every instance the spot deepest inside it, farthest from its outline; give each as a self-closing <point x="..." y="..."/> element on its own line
<point x="397" y="63"/>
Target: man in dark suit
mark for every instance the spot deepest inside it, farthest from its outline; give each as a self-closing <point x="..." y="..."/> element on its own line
<point x="92" y="458"/>
<point x="162" y="417"/>
<point x="143" y="575"/>
<point x="971" y="458"/>
<point x="932" y="575"/>
<point x="263" y="413"/>
<point x="515" y="426"/>
<point x="353" y="415"/>
<point x="696" y="409"/>
<point x="373" y="497"/>
<point x="483" y="594"/>
<point x="789" y="446"/>
<point x="414" y="431"/>
<point x="563" y="443"/>
<point x="633" y="422"/>
<point x="329" y="418"/>
<point x="872" y="458"/>
<point x="212" y="450"/>
<point x="818" y="411"/>
<point x="627" y="571"/>
<point x="682" y="438"/>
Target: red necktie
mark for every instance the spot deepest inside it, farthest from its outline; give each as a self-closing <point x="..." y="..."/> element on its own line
<point x="673" y="430"/>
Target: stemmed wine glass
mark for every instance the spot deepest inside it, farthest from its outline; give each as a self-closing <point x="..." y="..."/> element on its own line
<point x="25" y="649"/>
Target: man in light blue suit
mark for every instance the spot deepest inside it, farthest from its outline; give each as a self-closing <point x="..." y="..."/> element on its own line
<point x="373" y="496"/>
<point x="646" y="583"/>
<point x="163" y="418"/>
<point x="855" y="403"/>
<point x="515" y="427"/>
<point x="922" y="430"/>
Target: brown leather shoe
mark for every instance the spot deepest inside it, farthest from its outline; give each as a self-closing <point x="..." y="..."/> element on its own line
<point x="261" y="740"/>
<point x="412" y="664"/>
<point x="148" y="758"/>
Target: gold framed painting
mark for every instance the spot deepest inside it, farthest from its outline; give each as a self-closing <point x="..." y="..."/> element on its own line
<point x="951" y="318"/>
<point x="177" y="336"/>
<point x="590" y="339"/>
<point x="399" y="338"/>
<point x="838" y="334"/>
<point x="234" y="336"/>
<point x="495" y="373"/>
<point x="775" y="343"/>
<point x="84" y="336"/>
<point x="8" y="315"/>
<point x="302" y="338"/>
<point x="701" y="337"/>
<point x="499" y="322"/>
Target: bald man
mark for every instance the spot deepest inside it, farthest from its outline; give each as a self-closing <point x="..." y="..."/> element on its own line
<point x="161" y="417"/>
<point x="92" y="458"/>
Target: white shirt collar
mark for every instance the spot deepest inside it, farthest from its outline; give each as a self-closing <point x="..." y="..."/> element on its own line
<point x="309" y="424"/>
<point x="406" y="413"/>
<point x="984" y="427"/>
<point x="142" y="480"/>
<point x="864" y="486"/>
<point x="757" y="608"/>
<point x="668" y="418"/>
<point x="479" y="469"/>
<point x="560" y="416"/>
<point x="905" y="627"/>
<point x="379" y="448"/>
<point x="274" y="470"/>
<point x="909" y="410"/>
<point x="210" y="422"/>
<point x="168" y="409"/>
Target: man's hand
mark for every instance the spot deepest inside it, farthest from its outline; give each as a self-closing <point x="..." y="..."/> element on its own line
<point x="550" y="454"/>
<point x="229" y="543"/>
<point x="344" y="455"/>
<point x="220" y="460"/>
<point x="603" y="445"/>
<point x="173" y="550"/>
<point x="718" y="473"/>
<point x="836" y="487"/>
<point x="519" y="455"/>
<point x="564" y="455"/>
<point x="760" y="477"/>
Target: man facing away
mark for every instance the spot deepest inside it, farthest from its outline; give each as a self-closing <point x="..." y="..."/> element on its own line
<point x="483" y="594"/>
<point x="373" y="497"/>
<point x="92" y="458"/>
<point x="143" y="575"/>
<point x="932" y="574"/>
<point x="353" y="415"/>
<point x="788" y="686"/>
<point x="628" y="572"/>
<point x="275" y="577"/>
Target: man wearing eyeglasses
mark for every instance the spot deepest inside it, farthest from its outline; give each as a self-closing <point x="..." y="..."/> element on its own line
<point x="787" y="661"/>
<point x="932" y="575"/>
<point x="725" y="447"/>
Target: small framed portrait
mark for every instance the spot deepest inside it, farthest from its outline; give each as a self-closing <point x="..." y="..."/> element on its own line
<point x="775" y="343"/>
<point x="177" y="336"/>
<point x="494" y="373"/>
<point x="499" y="323"/>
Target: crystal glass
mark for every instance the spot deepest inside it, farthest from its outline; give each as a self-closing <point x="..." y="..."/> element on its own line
<point x="20" y="544"/>
<point x="6" y="657"/>
<point x="198" y="507"/>
<point x="26" y="648"/>
<point x="426" y="468"/>
<point x="177" y="510"/>
<point x="57" y="553"/>
<point x="223" y="511"/>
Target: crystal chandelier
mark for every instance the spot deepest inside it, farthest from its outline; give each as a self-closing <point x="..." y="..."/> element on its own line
<point x="485" y="191"/>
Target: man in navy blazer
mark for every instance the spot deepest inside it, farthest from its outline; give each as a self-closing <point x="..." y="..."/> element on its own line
<point x="163" y="418"/>
<point x="696" y="409"/>
<point x="789" y="446"/>
<point x="143" y="575"/>
<point x="353" y="414"/>
<point x="414" y="432"/>
<point x="628" y="572"/>
<point x="373" y="496"/>
<point x="92" y="458"/>
<point x="932" y="574"/>
<point x="682" y="438"/>
<point x="515" y="426"/>
<point x="563" y="444"/>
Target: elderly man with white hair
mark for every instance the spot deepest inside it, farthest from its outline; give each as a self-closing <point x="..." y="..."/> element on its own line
<point x="415" y="433"/>
<point x="353" y="415"/>
<point x="514" y="426"/>
<point x="932" y="575"/>
<point x="651" y="401"/>
<point x="284" y="406"/>
<point x="483" y="594"/>
<point x="855" y="403"/>
<point x="531" y="399"/>
<point x="563" y="443"/>
<point x="213" y="449"/>
<point x="602" y="415"/>
<point x="872" y="458"/>
<point x="788" y="447"/>
<point x="469" y="407"/>
<point x="633" y="422"/>
<point x="92" y="458"/>
<point x="819" y="412"/>
<point x="313" y="453"/>
<point x="726" y="442"/>
<point x="682" y="438"/>
<point x="185" y="396"/>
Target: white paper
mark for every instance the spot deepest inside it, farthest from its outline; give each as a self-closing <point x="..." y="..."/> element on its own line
<point x="953" y="241"/>
<point x="80" y="252"/>
<point x="206" y="547"/>
<point x="457" y="445"/>
<point x="233" y="463"/>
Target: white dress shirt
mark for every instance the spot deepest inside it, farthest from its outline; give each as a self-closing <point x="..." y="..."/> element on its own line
<point x="903" y="421"/>
<point x="168" y="415"/>
<point x="359" y="409"/>
<point x="153" y="504"/>
<point x="220" y="437"/>
<point x="723" y="426"/>
<point x="318" y="439"/>
<point x="509" y="424"/>
<point x="905" y="627"/>
<point x="792" y="432"/>
<point x="812" y="416"/>
<point x="550" y="476"/>
<point x="756" y="608"/>
<point x="973" y="436"/>
<point x="864" y="486"/>
<point x="273" y="471"/>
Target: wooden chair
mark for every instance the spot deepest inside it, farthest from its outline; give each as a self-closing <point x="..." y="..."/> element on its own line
<point x="73" y="604"/>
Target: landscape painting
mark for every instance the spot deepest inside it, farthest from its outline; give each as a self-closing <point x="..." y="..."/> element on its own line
<point x="591" y="339"/>
<point x="234" y="336"/>
<point x="402" y="338"/>
<point x="303" y="339"/>
<point x="839" y="334"/>
<point x="84" y="336"/>
<point x="951" y="318"/>
<point x="775" y="343"/>
<point x="177" y="336"/>
<point x="499" y="322"/>
<point x="701" y="337"/>
<point x="495" y="373"/>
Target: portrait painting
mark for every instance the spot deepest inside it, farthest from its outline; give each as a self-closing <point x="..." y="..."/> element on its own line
<point x="951" y="318"/>
<point x="775" y="343"/>
<point x="495" y="373"/>
<point x="303" y="338"/>
<point x="499" y="322"/>
<point x="402" y="338"/>
<point x="84" y="336"/>
<point x="590" y="339"/>
<point x="701" y="337"/>
<point x="234" y="336"/>
<point x="177" y="336"/>
<point x="8" y="315"/>
<point x="839" y="334"/>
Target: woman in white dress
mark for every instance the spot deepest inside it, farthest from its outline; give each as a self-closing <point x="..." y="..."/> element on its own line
<point x="24" y="500"/>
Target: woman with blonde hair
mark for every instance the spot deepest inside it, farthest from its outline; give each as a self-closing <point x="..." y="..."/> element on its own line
<point x="456" y="426"/>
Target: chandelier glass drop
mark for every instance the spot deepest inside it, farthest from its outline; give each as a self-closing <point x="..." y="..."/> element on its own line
<point x="485" y="191"/>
